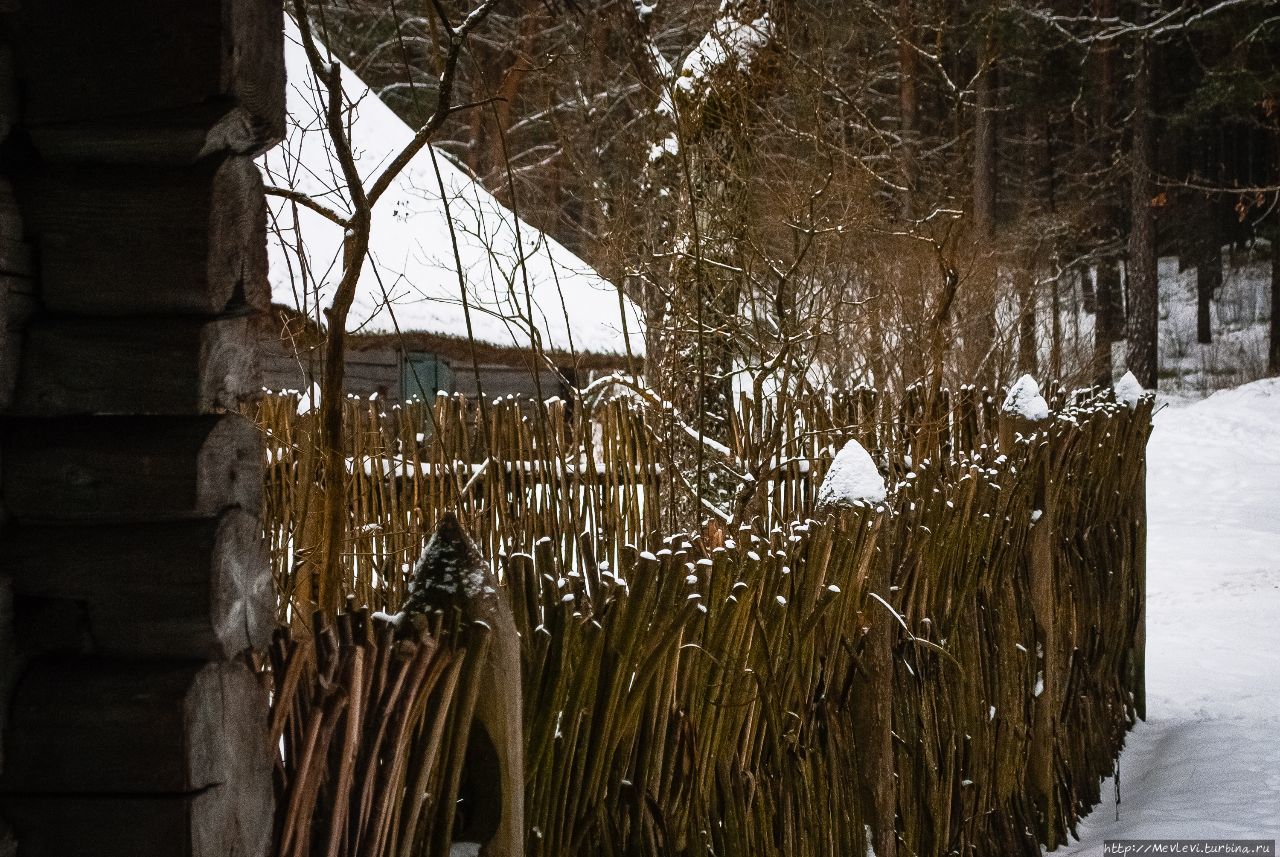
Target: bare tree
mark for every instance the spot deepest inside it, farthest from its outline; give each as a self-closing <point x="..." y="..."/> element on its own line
<point x="360" y="195"/>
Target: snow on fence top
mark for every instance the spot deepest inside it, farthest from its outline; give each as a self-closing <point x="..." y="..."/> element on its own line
<point x="410" y="279"/>
<point x="1129" y="390"/>
<point x="1024" y="400"/>
<point x="852" y="479"/>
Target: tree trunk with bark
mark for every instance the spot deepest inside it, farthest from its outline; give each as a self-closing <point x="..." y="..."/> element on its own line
<point x="1055" y="338"/>
<point x="1273" y="341"/>
<point x="694" y="304"/>
<point x="908" y="104"/>
<point x="1024" y="281"/>
<point x="1088" y="293"/>
<point x="1273" y="352"/>
<point x="1143" y="353"/>
<point x="1108" y="316"/>
<point x="980" y="332"/>
<point x="1208" y="271"/>
<point x="1107" y="319"/>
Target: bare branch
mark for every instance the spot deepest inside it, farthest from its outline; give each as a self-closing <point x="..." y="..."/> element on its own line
<point x="307" y="202"/>
<point x="457" y="40"/>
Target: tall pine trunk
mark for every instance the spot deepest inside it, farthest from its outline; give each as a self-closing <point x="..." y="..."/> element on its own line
<point x="1273" y="352"/>
<point x="908" y="102"/>
<point x="980" y="329"/>
<point x="1108" y="317"/>
<point x="1143" y="353"/>
<point x="1055" y="336"/>
<point x="1106" y="320"/>
<point x="1024" y="281"/>
<point x="1208" y="270"/>
<point x="1204" y="300"/>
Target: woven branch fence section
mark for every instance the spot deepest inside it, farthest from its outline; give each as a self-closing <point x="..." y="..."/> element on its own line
<point x="949" y="672"/>
<point x="375" y="720"/>
<point x="519" y="471"/>
<point x="359" y="720"/>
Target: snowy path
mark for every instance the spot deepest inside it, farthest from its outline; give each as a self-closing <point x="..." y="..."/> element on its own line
<point x="1206" y="764"/>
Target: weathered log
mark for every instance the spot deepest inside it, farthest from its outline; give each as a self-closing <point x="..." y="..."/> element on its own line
<point x="48" y="626"/>
<point x="108" y="756"/>
<point x="8" y="91"/>
<point x="8" y="657"/>
<point x="96" y="726"/>
<point x="198" y="589"/>
<point x="138" y="366"/>
<point x="106" y="469"/>
<point x="17" y="305"/>
<point x="152" y="81"/>
<point x="16" y="257"/>
<point x="99" y="228"/>
<point x="213" y="823"/>
<point x="15" y="252"/>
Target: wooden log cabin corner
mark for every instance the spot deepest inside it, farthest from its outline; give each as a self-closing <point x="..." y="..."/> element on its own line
<point x="132" y="262"/>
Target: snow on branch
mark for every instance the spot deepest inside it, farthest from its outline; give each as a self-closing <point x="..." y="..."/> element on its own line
<point x="739" y="33"/>
<point x="731" y="44"/>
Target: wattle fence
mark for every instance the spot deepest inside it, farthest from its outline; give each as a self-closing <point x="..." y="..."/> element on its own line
<point x="592" y="480"/>
<point x="949" y="671"/>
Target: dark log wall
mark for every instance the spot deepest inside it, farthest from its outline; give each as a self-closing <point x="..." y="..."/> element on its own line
<point x="133" y="577"/>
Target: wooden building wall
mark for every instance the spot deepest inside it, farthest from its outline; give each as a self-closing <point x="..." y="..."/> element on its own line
<point x="386" y="373"/>
<point x="132" y="570"/>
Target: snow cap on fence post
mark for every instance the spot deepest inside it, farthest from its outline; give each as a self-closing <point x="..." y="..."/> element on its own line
<point x="1022" y="412"/>
<point x="451" y="573"/>
<point x="1129" y="390"/>
<point x="1024" y="400"/>
<point x="852" y="480"/>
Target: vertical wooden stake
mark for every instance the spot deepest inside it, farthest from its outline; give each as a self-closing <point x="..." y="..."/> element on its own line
<point x="452" y="575"/>
<point x="1139" y="648"/>
<point x="1043" y="602"/>
<point x="873" y="712"/>
<point x="1042" y="580"/>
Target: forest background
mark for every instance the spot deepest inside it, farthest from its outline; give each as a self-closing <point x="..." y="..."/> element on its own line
<point x="849" y="191"/>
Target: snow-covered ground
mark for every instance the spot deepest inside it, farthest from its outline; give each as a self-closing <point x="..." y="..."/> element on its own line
<point x="1206" y="764"/>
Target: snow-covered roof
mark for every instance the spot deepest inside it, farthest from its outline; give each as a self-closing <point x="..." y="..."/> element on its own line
<point x="410" y="280"/>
